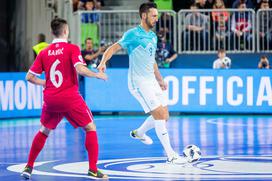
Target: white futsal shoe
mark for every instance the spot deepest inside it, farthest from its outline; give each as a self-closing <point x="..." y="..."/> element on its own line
<point x="144" y="139"/>
<point x="177" y="160"/>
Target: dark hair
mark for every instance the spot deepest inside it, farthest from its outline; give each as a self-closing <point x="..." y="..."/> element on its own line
<point x="264" y="57"/>
<point x="144" y="8"/>
<point x="88" y="39"/>
<point x="41" y="37"/>
<point x="57" y="26"/>
<point x="242" y="2"/>
<point x="221" y="50"/>
<point x="263" y="2"/>
<point x="89" y="1"/>
<point x="196" y="5"/>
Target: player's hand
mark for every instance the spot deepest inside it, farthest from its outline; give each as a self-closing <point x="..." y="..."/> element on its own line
<point x="101" y="75"/>
<point x="101" y="67"/>
<point x="167" y="60"/>
<point x="163" y="85"/>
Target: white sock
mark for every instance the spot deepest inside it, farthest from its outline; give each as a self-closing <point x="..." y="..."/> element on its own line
<point x="162" y="133"/>
<point x="146" y="126"/>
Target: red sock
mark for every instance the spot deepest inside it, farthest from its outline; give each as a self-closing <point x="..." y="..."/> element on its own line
<point x="37" y="145"/>
<point x="91" y="144"/>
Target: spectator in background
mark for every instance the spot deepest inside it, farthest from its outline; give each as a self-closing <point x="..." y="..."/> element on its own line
<point x="165" y="54"/>
<point x="98" y="5"/>
<point x="89" y="22"/>
<point x="241" y="27"/>
<point x="166" y="25"/>
<point x="81" y="4"/>
<point x="197" y="27"/>
<point x="89" y="17"/>
<point x="90" y="55"/>
<point x="40" y="46"/>
<point x="265" y="26"/>
<point x="223" y="62"/>
<point x="263" y="63"/>
<point x="220" y="25"/>
<point x="249" y="4"/>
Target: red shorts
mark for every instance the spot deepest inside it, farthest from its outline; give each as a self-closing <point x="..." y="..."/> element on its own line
<point x="78" y="116"/>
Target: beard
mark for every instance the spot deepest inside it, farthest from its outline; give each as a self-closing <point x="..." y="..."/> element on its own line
<point x="148" y="23"/>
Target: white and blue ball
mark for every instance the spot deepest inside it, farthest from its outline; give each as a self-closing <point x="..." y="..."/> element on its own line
<point x="192" y="153"/>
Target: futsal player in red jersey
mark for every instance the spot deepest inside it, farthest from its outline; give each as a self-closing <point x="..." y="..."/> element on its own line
<point x="61" y="62"/>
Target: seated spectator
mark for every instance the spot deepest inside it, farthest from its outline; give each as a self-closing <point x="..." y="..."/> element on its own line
<point x="97" y="3"/>
<point x="220" y="26"/>
<point x="89" y="17"/>
<point x="249" y="4"/>
<point x="223" y="62"/>
<point x="90" y="55"/>
<point x="263" y="63"/>
<point x="165" y="54"/>
<point x="166" y="24"/>
<point x="196" y="35"/>
<point x="241" y="27"/>
<point x="265" y="26"/>
<point x="90" y="26"/>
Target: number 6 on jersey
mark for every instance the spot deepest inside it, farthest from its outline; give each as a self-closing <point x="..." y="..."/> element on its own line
<point x="54" y="73"/>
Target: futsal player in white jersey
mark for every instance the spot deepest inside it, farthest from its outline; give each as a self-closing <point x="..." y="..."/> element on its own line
<point x="144" y="79"/>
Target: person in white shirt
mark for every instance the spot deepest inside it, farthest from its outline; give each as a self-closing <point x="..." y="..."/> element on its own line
<point x="223" y="62"/>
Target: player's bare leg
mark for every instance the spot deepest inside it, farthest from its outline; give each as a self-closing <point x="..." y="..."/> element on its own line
<point x="91" y="144"/>
<point x="161" y="115"/>
<point x="37" y="145"/>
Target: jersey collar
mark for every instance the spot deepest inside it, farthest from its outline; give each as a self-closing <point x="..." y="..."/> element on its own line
<point x="141" y="28"/>
<point x="59" y="40"/>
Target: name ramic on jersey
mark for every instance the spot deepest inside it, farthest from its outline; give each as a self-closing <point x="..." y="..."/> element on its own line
<point x="55" y="52"/>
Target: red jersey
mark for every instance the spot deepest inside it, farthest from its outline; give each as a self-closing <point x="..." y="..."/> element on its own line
<point x="58" y="61"/>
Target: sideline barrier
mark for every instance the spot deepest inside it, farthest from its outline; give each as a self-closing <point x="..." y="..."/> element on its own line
<point x="217" y="28"/>
<point x="190" y="90"/>
<point x="19" y="98"/>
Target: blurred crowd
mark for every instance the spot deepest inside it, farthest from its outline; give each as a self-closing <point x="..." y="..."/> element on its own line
<point x="220" y="30"/>
<point x="88" y="5"/>
<point x="209" y="4"/>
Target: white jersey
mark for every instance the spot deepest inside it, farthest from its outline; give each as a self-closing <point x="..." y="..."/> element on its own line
<point x="142" y="83"/>
<point x="224" y="63"/>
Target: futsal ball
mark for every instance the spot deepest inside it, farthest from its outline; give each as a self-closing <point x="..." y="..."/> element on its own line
<point x="192" y="153"/>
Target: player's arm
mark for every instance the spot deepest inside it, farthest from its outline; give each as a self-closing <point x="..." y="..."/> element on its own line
<point x="159" y="77"/>
<point x="34" y="79"/>
<point x="84" y="71"/>
<point x="107" y="55"/>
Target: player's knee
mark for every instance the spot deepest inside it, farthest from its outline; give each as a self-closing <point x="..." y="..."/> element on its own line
<point x="45" y="130"/>
<point x="166" y="116"/>
<point x="90" y="127"/>
<point x="160" y="113"/>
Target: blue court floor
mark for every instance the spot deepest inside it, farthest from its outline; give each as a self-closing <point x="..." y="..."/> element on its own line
<point x="233" y="148"/>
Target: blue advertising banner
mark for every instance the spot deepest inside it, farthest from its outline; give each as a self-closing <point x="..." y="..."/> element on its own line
<point x="19" y="98"/>
<point x="190" y="90"/>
